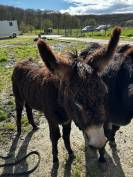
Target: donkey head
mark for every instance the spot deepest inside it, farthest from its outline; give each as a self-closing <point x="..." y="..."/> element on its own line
<point x="83" y="92"/>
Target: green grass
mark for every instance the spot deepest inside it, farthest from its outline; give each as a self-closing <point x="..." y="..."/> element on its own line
<point x="5" y="78"/>
<point x="16" y="41"/>
<point x="25" y="121"/>
<point x="127" y="33"/>
<point x="3" y="54"/>
<point x="3" y="115"/>
<point x="17" y="49"/>
<point x="77" y="166"/>
<point x="9" y="126"/>
<point x="25" y="52"/>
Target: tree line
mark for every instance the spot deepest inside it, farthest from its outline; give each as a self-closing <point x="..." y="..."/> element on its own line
<point x="38" y="19"/>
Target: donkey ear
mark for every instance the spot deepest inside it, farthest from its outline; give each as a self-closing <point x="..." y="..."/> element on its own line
<point x="101" y="57"/>
<point x="51" y="61"/>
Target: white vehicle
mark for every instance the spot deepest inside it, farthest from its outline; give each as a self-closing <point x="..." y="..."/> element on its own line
<point x="87" y="29"/>
<point x="9" y="28"/>
<point x="102" y="27"/>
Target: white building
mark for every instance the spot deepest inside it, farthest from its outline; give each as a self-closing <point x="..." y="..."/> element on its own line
<point x="9" y="28"/>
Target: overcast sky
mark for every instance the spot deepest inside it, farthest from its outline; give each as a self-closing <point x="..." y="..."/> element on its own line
<point x="76" y="6"/>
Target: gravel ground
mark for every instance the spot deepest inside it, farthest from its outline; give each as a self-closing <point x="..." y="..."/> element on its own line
<point x="81" y="39"/>
<point x="119" y="159"/>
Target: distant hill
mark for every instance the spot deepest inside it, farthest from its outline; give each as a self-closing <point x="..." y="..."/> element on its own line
<point x="129" y="23"/>
<point x="37" y="18"/>
<point x="113" y="19"/>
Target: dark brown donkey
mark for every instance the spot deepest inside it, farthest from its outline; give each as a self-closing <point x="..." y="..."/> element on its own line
<point x="64" y="91"/>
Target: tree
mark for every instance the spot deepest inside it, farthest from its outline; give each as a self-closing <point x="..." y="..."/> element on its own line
<point x="47" y="24"/>
<point x="25" y="28"/>
<point x="92" y="22"/>
<point x="86" y="23"/>
<point x="36" y="18"/>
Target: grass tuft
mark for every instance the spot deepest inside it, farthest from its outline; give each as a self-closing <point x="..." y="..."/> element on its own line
<point x="3" y="55"/>
<point x="3" y="115"/>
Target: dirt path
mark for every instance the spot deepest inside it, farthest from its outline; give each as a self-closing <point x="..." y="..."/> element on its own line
<point x="101" y="41"/>
<point x="119" y="160"/>
<point x="81" y="39"/>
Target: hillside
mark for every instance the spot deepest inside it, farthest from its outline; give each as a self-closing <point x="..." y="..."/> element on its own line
<point x="37" y="18"/>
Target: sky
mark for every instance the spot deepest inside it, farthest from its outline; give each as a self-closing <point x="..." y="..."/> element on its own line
<point x="75" y="7"/>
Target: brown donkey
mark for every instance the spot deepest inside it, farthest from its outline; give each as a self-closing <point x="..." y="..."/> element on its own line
<point x="65" y="91"/>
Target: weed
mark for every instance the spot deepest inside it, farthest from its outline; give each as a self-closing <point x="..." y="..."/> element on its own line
<point x="3" y="115"/>
<point x="3" y="55"/>
<point x="9" y="126"/>
<point x="24" y="121"/>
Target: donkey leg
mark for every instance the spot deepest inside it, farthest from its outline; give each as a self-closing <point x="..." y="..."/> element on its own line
<point x="66" y="138"/>
<point x="19" y="108"/>
<point x="115" y="128"/>
<point x="30" y="116"/>
<point x="102" y="155"/>
<point x="54" y="136"/>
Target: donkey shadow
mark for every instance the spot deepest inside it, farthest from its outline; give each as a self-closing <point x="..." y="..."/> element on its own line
<point x="67" y="168"/>
<point x="5" y="38"/>
<point x="111" y="168"/>
<point x="21" y="153"/>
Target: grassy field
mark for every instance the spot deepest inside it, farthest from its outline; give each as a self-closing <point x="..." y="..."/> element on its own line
<point x="127" y="33"/>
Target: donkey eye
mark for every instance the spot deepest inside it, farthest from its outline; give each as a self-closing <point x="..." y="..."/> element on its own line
<point x="79" y="106"/>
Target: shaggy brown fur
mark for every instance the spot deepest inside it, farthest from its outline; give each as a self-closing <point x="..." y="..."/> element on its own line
<point x="67" y="91"/>
<point x="100" y="58"/>
<point x="118" y="77"/>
